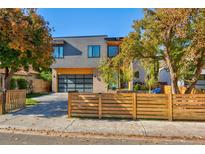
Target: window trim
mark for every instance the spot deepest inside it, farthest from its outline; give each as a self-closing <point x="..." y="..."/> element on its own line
<point x="108" y="50"/>
<point x="92" y="51"/>
<point x="58" y="51"/>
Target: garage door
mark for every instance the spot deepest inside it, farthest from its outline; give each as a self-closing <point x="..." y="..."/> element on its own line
<point x="75" y="82"/>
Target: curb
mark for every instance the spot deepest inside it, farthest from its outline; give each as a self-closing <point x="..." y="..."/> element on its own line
<point x="93" y="135"/>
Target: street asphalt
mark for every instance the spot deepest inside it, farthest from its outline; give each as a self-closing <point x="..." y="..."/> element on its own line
<point x="22" y="139"/>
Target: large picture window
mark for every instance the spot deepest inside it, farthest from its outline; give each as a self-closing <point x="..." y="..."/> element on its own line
<point x="58" y="52"/>
<point x="93" y="51"/>
<point x="113" y="51"/>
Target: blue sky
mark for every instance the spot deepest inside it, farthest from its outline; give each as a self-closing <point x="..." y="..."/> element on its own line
<point x="80" y="22"/>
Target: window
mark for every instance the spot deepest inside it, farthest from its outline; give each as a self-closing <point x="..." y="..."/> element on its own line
<point x="137" y="74"/>
<point x="58" y="52"/>
<point x="113" y="51"/>
<point x="93" y="51"/>
<point x="202" y="77"/>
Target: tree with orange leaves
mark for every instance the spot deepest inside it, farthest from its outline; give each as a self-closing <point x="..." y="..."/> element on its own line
<point x="25" y="40"/>
<point x="175" y="37"/>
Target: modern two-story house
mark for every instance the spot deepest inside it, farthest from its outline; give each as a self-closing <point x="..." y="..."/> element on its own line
<point x="77" y="59"/>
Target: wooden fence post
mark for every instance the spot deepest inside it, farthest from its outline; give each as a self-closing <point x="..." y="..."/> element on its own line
<point x="100" y="106"/>
<point x="170" y="107"/>
<point x="134" y="106"/>
<point x="4" y="99"/>
<point x="69" y="105"/>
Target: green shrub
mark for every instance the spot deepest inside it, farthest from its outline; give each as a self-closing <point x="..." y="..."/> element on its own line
<point x="13" y="83"/>
<point x="136" y="87"/>
<point x="144" y="87"/>
<point x="46" y="75"/>
<point x="22" y="83"/>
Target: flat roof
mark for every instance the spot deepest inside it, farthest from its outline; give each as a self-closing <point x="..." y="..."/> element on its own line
<point x="114" y="38"/>
<point x="81" y="36"/>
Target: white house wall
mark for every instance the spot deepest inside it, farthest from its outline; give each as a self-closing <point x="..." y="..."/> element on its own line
<point x="164" y="76"/>
<point x="137" y="67"/>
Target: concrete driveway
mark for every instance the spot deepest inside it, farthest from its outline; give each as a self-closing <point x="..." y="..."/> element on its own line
<point x="50" y="106"/>
<point x="50" y="113"/>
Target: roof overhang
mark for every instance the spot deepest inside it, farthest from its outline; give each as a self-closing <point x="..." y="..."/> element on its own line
<point x="58" y="42"/>
<point x="116" y="41"/>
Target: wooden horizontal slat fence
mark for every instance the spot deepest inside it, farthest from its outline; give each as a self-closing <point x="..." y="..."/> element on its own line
<point x="15" y="99"/>
<point x="40" y="86"/>
<point x="189" y="107"/>
<point x="152" y="106"/>
<point x="84" y="105"/>
<point x="116" y="105"/>
<point x="137" y="106"/>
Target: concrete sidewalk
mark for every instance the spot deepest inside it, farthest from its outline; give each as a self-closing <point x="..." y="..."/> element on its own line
<point x="106" y="127"/>
<point x="51" y="115"/>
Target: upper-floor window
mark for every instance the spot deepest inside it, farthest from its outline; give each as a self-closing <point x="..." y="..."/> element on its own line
<point x="58" y="52"/>
<point x="113" y="51"/>
<point x="93" y="51"/>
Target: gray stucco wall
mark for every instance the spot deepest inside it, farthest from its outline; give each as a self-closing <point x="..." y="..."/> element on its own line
<point x="54" y="80"/>
<point x="76" y="52"/>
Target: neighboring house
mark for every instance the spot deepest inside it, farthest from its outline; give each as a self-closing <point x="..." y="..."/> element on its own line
<point x="77" y="59"/>
<point x="138" y="73"/>
<point x="31" y="74"/>
<point x="164" y="77"/>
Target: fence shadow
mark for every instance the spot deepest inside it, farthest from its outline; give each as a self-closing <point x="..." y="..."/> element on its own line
<point x="47" y="109"/>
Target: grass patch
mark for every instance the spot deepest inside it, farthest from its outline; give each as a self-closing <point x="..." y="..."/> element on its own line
<point x="32" y="95"/>
<point x="30" y="102"/>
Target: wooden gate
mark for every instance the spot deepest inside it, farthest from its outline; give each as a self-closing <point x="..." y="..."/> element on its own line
<point x="15" y="99"/>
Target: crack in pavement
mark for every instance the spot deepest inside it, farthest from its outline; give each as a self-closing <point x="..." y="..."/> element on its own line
<point x="69" y="124"/>
<point x="144" y="130"/>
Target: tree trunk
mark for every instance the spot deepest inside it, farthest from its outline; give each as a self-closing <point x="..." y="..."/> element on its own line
<point x="156" y="69"/>
<point x="174" y="84"/>
<point x="8" y="76"/>
<point x="174" y="79"/>
<point x="191" y="87"/>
